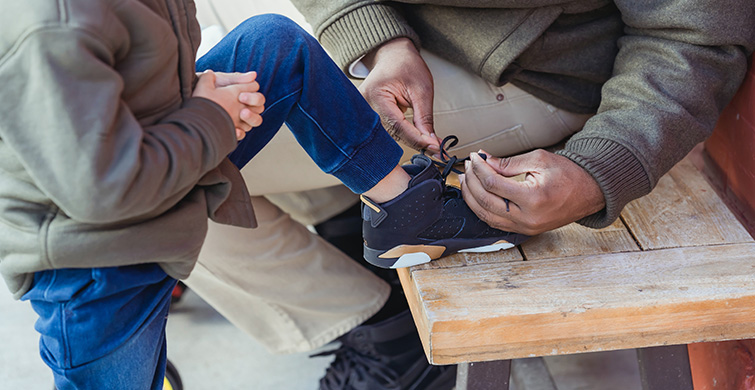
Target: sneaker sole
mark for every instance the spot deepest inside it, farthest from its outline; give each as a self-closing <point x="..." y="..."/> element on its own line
<point x="418" y="254"/>
<point x="489" y="248"/>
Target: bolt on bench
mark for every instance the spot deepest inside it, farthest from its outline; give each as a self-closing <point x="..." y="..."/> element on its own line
<point x="677" y="268"/>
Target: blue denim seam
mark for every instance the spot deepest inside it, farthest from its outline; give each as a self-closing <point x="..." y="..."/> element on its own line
<point x="267" y="108"/>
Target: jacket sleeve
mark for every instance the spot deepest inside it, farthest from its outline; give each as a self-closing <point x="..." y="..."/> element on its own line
<point x="679" y="63"/>
<point x="81" y="144"/>
<point x="349" y="29"/>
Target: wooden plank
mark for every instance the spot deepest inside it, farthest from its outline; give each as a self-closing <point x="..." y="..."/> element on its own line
<point x="683" y="210"/>
<point x="417" y="307"/>
<point x="577" y="240"/>
<point x="510" y="310"/>
<point x="458" y="260"/>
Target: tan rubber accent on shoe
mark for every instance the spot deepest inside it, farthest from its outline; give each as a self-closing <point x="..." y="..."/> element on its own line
<point x="369" y="204"/>
<point x="433" y="251"/>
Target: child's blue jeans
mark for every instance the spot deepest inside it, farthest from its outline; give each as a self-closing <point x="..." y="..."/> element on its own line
<point x="104" y="328"/>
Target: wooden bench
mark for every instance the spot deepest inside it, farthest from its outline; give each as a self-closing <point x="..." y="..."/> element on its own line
<point x="677" y="268"/>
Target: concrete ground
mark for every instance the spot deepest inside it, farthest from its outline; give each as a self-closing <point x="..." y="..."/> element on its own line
<point x="210" y="353"/>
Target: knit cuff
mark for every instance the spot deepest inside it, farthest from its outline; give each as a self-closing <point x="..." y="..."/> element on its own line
<point x="617" y="170"/>
<point x="360" y="31"/>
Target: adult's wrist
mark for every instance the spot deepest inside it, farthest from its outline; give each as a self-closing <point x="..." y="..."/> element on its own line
<point x="618" y="172"/>
<point x="396" y="46"/>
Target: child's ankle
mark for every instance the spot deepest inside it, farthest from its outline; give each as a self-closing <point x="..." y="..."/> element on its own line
<point x="393" y="185"/>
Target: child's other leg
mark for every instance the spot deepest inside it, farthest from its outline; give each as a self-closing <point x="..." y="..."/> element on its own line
<point x="303" y="87"/>
<point x="103" y="328"/>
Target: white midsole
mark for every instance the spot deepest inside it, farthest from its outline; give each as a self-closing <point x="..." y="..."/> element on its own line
<point x="489" y="248"/>
<point x="411" y="259"/>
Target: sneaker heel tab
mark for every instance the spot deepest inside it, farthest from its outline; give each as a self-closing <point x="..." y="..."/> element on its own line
<point x="421" y="160"/>
<point x="373" y="212"/>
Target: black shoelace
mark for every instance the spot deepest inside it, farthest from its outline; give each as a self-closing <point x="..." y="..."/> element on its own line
<point x="447" y="163"/>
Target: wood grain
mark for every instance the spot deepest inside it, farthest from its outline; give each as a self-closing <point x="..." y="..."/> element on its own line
<point x="577" y="240"/>
<point x="588" y="303"/>
<point x="683" y="210"/>
<point x="677" y="268"/>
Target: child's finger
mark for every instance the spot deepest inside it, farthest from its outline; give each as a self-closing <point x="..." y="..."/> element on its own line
<point x="252" y="98"/>
<point x="226" y="79"/>
<point x="240" y="134"/>
<point x="257" y="109"/>
<point x="207" y="79"/>
<point x="251" y="118"/>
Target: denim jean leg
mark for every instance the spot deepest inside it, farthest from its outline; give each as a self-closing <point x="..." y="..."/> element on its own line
<point x="305" y="89"/>
<point x="103" y="328"/>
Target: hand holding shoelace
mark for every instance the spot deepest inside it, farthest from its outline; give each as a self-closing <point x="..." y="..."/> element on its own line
<point x="554" y="192"/>
<point x="399" y="79"/>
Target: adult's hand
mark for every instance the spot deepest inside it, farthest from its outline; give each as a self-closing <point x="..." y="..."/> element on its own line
<point x="554" y="192"/>
<point x="399" y="79"/>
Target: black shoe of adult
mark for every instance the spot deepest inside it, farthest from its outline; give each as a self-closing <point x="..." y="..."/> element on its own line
<point x="387" y="355"/>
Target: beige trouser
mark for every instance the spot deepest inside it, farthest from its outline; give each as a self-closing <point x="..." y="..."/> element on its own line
<point x="293" y="291"/>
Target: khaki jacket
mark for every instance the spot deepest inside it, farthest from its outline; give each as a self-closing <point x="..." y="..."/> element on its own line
<point x="105" y="158"/>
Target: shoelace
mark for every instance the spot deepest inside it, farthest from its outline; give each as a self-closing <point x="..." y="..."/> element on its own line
<point x="447" y="163"/>
<point x="349" y="361"/>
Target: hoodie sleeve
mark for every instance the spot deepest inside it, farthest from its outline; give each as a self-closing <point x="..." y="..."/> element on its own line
<point x="679" y="64"/>
<point x="349" y="29"/>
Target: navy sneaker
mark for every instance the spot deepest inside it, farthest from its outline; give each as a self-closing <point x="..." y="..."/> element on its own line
<point x="428" y="221"/>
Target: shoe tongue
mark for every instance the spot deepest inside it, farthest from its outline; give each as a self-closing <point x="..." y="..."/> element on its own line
<point x="421" y="169"/>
